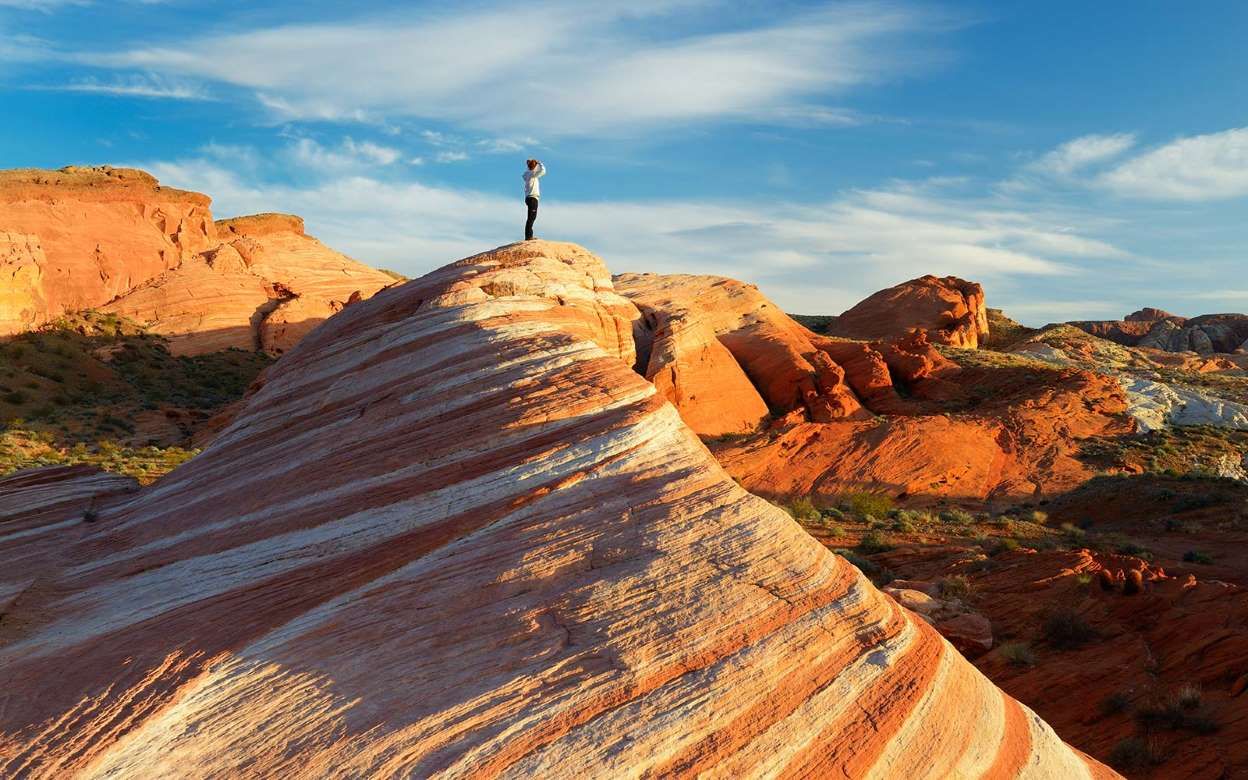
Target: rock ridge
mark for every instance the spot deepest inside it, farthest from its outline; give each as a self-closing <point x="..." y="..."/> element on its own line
<point x="452" y="533"/>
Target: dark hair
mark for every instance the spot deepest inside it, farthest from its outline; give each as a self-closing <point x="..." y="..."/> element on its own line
<point x="531" y="163"/>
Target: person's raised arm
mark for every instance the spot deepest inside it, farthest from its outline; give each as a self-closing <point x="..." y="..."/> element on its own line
<point x="540" y="171"/>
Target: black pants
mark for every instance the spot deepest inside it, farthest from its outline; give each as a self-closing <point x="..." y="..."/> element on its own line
<point x="528" y="226"/>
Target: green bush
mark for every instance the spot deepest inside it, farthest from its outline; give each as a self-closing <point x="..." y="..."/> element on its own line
<point x="875" y="572"/>
<point x="15" y="397"/>
<point x="804" y="510"/>
<point x="865" y="504"/>
<point x="1005" y="545"/>
<point x="874" y="542"/>
<point x="1195" y="556"/>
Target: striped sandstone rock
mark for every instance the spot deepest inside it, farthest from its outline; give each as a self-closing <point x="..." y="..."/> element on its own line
<point x="455" y="534"/>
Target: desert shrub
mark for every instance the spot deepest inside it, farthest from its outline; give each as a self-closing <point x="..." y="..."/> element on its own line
<point x="1066" y="629"/>
<point x="1195" y="556"/>
<point x="1189" y="697"/>
<point x="1182" y="710"/>
<point x="874" y="542"/>
<point x="1036" y="516"/>
<point x="956" y="586"/>
<point x="875" y="572"/>
<point x="1115" y="703"/>
<point x="866" y="504"/>
<point x="1133" y="548"/>
<point x="832" y="513"/>
<point x="1018" y="653"/>
<point x="1133" y="753"/>
<point x="1134" y="583"/>
<point x="1083" y="580"/>
<point x="1073" y="534"/>
<point x="903" y="525"/>
<point x="957" y="517"/>
<point x="803" y="510"/>
<point x="1005" y="545"/>
<point x="15" y="397"/>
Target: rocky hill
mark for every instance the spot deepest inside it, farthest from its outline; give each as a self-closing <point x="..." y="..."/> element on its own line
<point x="1151" y="328"/>
<point x="114" y="239"/>
<point x="951" y="310"/>
<point x="453" y="533"/>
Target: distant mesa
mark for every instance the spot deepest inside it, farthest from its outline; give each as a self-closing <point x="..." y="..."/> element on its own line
<point x="115" y="239"/>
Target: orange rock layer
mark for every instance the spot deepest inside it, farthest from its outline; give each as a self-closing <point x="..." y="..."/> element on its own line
<point x="115" y="239"/>
<point x="454" y="534"/>
<point x="950" y="309"/>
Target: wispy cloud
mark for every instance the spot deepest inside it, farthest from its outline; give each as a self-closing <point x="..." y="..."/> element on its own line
<point x="819" y="257"/>
<point x="1078" y="154"/>
<point x="144" y="86"/>
<point x="1195" y="168"/>
<point x="348" y="156"/>
<point x="555" y="67"/>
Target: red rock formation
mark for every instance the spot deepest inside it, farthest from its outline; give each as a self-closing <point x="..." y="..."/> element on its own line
<point x="268" y="287"/>
<point x="723" y="353"/>
<point x="100" y="230"/>
<point x="950" y="309"/>
<point x="454" y="533"/>
<point x="115" y="239"/>
<point x="1020" y="440"/>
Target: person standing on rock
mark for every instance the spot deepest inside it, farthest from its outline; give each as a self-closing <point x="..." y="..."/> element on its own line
<point x="532" y="192"/>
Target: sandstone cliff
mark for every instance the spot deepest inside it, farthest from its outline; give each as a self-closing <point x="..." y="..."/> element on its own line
<point x="454" y="534"/>
<point x="1151" y="328"/>
<point x="78" y="237"/>
<point x="113" y="238"/>
<point x="265" y="287"/>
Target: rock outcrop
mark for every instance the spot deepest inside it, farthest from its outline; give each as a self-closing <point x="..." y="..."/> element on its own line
<point x="1156" y="329"/>
<point x="454" y="534"/>
<point x="90" y="234"/>
<point x="113" y="238"/>
<point x="265" y="288"/>
<point x="950" y="309"/>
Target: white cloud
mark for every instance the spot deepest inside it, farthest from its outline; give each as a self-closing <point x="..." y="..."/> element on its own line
<point x="818" y="258"/>
<point x="348" y="156"/>
<point x="145" y="86"/>
<point x="1196" y="168"/>
<point x="1082" y="152"/>
<point x="45" y="6"/>
<point x="450" y="157"/>
<point x="555" y="67"/>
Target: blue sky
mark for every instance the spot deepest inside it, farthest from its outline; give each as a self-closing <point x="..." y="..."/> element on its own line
<point x="1079" y="159"/>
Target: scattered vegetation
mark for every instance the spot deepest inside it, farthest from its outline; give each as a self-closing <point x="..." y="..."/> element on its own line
<point x="1018" y="653"/>
<point x="1182" y="710"/>
<point x="1195" y="556"/>
<point x="866" y="504"/>
<point x="96" y="388"/>
<point x="956" y="586"/>
<point x="1133" y="753"/>
<point x="1066" y="629"/>
<point x="877" y="573"/>
<point x="874" y="542"/>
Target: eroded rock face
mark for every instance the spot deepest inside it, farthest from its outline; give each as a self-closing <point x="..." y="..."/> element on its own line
<point x="453" y="533"/>
<point x="1156" y="329"/>
<point x="266" y="288"/>
<point x="723" y="354"/>
<point x="950" y="309"/>
<point x="115" y="239"/>
<point x="99" y="232"/>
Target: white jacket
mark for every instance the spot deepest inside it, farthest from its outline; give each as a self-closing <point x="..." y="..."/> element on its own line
<point x="531" y="187"/>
